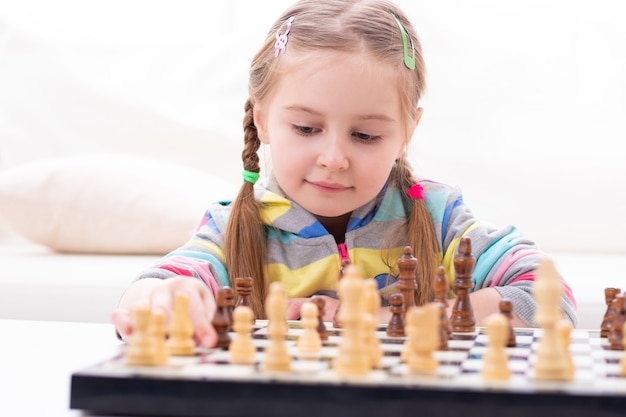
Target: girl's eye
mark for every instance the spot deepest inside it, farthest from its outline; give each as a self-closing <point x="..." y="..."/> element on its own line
<point x="305" y="130"/>
<point x="364" y="137"/>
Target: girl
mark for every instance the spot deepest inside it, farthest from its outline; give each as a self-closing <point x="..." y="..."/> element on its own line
<point x="334" y="92"/>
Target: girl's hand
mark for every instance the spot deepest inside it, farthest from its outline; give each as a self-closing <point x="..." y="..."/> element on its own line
<point x="159" y="294"/>
<point x="294" y="305"/>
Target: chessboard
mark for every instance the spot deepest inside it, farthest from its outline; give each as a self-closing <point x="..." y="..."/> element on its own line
<point x="207" y="384"/>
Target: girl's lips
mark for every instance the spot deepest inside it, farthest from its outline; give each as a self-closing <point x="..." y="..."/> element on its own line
<point x="328" y="186"/>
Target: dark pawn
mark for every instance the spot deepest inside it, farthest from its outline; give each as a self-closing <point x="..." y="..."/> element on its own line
<point x="609" y="296"/>
<point x="441" y="296"/>
<point x="395" y="328"/>
<point x="221" y="321"/>
<point x="506" y="309"/>
<point x="319" y="301"/>
<point x="336" y="322"/>
<point x="616" y="335"/>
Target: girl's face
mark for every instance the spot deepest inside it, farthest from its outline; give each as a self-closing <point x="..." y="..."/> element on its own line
<point x="334" y="125"/>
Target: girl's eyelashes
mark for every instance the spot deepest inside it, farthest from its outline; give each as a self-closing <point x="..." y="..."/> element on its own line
<point x="364" y="137"/>
<point x="305" y="130"/>
<point x="360" y="136"/>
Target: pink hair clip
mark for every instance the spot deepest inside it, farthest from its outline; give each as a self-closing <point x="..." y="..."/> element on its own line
<point x="281" y="40"/>
<point x="416" y="191"/>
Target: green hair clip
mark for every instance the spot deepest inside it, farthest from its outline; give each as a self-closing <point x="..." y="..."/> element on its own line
<point x="409" y="60"/>
<point x="250" y="176"/>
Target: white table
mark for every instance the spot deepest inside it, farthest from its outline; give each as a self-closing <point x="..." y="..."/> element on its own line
<point x="37" y="359"/>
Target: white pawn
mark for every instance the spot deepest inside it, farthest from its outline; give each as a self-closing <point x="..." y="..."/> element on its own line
<point x="422" y="327"/>
<point x="371" y="303"/>
<point x="277" y="357"/>
<point x="495" y="359"/>
<point x="141" y="351"/>
<point x="241" y="349"/>
<point x="309" y="343"/>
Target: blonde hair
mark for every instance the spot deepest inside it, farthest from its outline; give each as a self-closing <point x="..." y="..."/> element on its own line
<point x="336" y="25"/>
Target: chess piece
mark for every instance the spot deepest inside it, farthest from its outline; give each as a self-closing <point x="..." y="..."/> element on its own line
<point x="371" y="304"/>
<point x="622" y="361"/>
<point x="352" y="358"/>
<point x="141" y="350"/>
<point x="506" y="309"/>
<point x="243" y="288"/>
<point x="321" y="327"/>
<point x="181" y="341"/>
<point x="609" y="296"/>
<point x="462" y="318"/>
<point x="440" y="289"/>
<point x="407" y="283"/>
<point x="550" y="364"/>
<point x="277" y="358"/>
<point x="241" y="349"/>
<point x="309" y="343"/>
<point x="396" y="326"/>
<point x="422" y="328"/>
<point x="564" y="329"/>
<point x="444" y="336"/>
<point x="221" y="320"/>
<point x="495" y="359"/>
<point x="344" y="265"/>
<point x="158" y="335"/>
<point x="229" y="295"/>
<point x="619" y="317"/>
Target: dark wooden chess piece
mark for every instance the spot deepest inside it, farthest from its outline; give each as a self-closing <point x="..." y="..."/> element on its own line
<point x="229" y="295"/>
<point x="462" y="319"/>
<point x="342" y="268"/>
<point x="319" y="301"/>
<point x="609" y="296"/>
<point x="616" y="334"/>
<point x="441" y="296"/>
<point x="395" y="328"/>
<point x="221" y="321"/>
<point x="506" y="309"/>
<point x="243" y="288"/>
<point x="407" y="284"/>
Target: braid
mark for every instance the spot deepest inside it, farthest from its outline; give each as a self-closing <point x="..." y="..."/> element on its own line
<point x="245" y="246"/>
<point x="420" y="233"/>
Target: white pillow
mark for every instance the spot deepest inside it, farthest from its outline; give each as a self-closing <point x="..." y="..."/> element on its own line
<point x="107" y="203"/>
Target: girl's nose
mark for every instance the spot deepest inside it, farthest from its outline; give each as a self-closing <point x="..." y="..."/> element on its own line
<point x="333" y="155"/>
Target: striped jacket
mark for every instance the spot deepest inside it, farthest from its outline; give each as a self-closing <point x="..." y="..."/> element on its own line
<point x="306" y="258"/>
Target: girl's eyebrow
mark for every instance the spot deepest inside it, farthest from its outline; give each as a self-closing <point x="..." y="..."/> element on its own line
<point x="374" y="116"/>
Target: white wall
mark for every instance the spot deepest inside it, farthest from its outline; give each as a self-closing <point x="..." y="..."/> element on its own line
<point x="524" y="109"/>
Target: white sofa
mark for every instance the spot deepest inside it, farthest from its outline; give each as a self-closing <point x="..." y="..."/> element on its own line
<point x="537" y="108"/>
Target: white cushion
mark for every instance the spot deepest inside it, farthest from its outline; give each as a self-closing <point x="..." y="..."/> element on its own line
<point x="107" y="203"/>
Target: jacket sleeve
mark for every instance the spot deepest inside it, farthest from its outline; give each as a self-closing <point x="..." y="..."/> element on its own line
<point x="505" y="259"/>
<point x="202" y="256"/>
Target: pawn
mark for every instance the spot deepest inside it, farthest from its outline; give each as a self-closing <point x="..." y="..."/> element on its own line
<point x="342" y="269"/>
<point x="495" y="360"/>
<point x="181" y="341"/>
<point x="423" y="326"/>
<point x="141" y="350"/>
<point x="158" y="335"/>
<point x="221" y="320"/>
<point x="506" y="309"/>
<point x="371" y="305"/>
<point x="309" y="343"/>
<point x="564" y="328"/>
<point x="241" y="349"/>
<point x="622" y="362"/>
<point x="277" y="358"/>
<point x="619" y="318"/>
<point x="321" y="327"/>
<point x="395" y="328"/>
<point x="440" y="289"/>
<point x="444" y="336"/>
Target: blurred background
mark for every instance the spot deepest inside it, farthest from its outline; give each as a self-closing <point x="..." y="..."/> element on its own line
<point x="524" y="110"/>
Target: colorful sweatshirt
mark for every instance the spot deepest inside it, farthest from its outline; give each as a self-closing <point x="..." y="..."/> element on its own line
<point x="306" y="258"/>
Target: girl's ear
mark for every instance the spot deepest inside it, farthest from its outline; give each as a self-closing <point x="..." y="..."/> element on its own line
<point x="418" y="116"/>
<point x="259" y="123"/>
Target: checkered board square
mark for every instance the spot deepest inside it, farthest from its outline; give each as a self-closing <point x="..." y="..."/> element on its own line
<point x="208" y="385"/>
